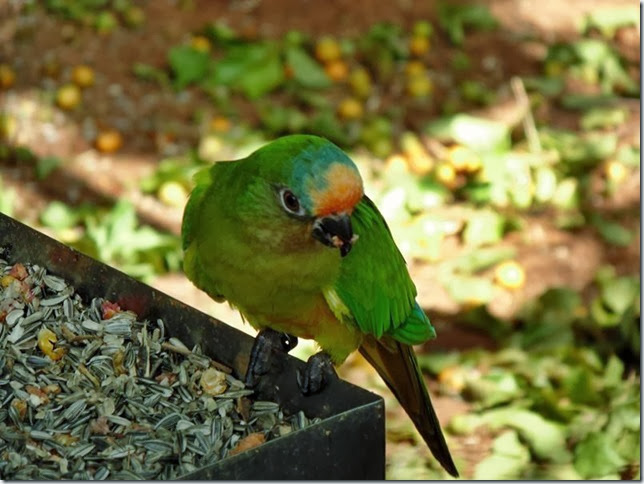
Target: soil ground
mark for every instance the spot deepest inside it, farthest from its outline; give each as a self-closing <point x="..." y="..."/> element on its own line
<point x="159" y="122"/>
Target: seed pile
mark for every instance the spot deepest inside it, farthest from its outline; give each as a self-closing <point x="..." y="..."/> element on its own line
<point x="91" y="392"/>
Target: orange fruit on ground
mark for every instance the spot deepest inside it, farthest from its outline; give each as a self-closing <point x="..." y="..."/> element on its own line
<point x="419" y="46"/>
<point x="221" y="124"/>
<point x="350" y="108"/>
<point x="109" y="141"/>
<point x="83" y="76"/>
<point x="7" y="76"/>
<point x="414" y="68"/>
<point x="337" y="70"/>
<point x="201" y="43"/>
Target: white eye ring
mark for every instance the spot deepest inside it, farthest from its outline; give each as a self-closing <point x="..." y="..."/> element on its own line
<point x="290" y="202"/>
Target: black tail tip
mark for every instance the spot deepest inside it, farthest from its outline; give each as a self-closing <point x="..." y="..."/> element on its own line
<point x="448" y="464"/>
<point x="452" y="470"/>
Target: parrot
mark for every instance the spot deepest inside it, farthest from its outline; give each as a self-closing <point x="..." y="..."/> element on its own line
<point x="288" y="237"/>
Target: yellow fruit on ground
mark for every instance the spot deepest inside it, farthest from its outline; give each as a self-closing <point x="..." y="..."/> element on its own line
<point x="70" y="235"/>
<point x="414" y="68"/>
<point x="83" y="76"/>
<point x="134" y="16"/>
<point x="7" y="76"/>
<point x="419" y="86"/>
<point x="337" y="70"/>
<point x="109" y="141"/>
<point x="350" y="108"/>
<point x="8" y="126"/>
<point x="396" y="163"/>
<point x="453" y="377"/>
<point x="419" y="159"/>
<point x="420" y="163"/>
<point x="422" y="28"/>
<point x="510" y="274"/>
<point x="463" y="159"/>
<point x="201" y="43"/>
<point x="220" y="124"/>
<point x="381" y="147"/>
<point x="553" y="68"/>
<point x="327" y="49"/>
<point x="615" y="171"/>
<point x="418" y="45"/>
<point x="445" y="174"/>
<point x="360" y="82"/>
<point x="68" y="96"/>
<point x="173" y="194"/>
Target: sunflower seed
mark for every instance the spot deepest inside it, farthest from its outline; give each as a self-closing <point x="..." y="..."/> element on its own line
<point x="13" y="316"/>
<point x="115" y="374"/>
<point x="53" y="301"/>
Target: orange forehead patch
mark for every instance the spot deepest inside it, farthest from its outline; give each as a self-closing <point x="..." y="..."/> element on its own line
<point x="343" y="192"/>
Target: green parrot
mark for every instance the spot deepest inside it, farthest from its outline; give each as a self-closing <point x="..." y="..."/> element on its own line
<point x="288" y="237"/>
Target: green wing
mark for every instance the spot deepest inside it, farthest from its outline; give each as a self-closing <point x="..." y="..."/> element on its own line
<point x="374" y="284"/>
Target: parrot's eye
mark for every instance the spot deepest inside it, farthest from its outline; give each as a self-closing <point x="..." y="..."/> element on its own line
<point x="290" y="202"/>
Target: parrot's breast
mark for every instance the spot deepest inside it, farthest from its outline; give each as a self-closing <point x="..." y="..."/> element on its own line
<point x="282" y="291"/>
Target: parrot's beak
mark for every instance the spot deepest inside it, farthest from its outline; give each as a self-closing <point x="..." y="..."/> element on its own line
<point x="335" y="231"/>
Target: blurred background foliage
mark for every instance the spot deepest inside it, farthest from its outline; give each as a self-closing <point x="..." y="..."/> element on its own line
<point x="502" y="146"/>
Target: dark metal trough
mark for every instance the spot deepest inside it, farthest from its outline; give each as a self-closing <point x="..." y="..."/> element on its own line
<point x="348" y="443"/>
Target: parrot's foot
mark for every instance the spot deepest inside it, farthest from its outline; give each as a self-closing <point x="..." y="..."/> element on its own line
<point x="318" y="372"/>
<point x="260" y="356"/>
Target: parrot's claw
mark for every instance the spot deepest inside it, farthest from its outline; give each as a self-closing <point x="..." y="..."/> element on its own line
<point x="317" y="374"/>
<point x="260" y="355"/>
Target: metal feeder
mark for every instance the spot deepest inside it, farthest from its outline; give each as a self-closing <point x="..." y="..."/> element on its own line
<point x="349" y="442"/>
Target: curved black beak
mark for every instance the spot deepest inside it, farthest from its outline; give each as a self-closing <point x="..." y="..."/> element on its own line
<point x="335" y="231"/>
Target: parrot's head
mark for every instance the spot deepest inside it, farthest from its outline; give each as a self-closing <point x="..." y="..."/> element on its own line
<point x="311" y="188"/>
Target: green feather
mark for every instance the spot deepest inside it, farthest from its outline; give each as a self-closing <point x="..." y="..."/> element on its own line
<point x="416" y="329"/>
<point x="202" y="179"/>
<point x="374" y="283"/>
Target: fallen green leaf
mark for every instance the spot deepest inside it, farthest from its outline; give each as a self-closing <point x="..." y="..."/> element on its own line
<point x="306" y="70"/>
<point x="45" y="165"/>
<point x="479" y="134"/>
<point x="601" y="118"/>
<point x="483" y="227"/>
<point x="58" y="215"/>
<point x="188" y="65"/>
<point x="468" y="289"/>
<point x="612" y="232"/>
<point x="596" y="457"/>
<point x="455" y="18"/>
<point x="546" y="438"/>
<point x="609" y="19"/>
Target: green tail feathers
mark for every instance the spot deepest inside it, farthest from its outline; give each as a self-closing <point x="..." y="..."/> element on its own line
<point x="397" y="365"/>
